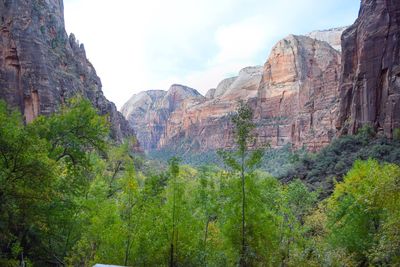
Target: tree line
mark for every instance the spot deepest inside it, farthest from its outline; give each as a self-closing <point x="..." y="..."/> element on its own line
<point x="69" y="196"/>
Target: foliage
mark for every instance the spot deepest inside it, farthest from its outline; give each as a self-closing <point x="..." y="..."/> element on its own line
<point x="363" y="213"/>
<point x="322" y="169"/>
<point x="44" y="172"/>
<point x="275" y="161"/>
<point x="69" y="198"/>
<point x="27" y="180"/>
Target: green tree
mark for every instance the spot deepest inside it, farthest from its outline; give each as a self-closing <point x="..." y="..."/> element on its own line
<point x="244" y="162"/>
<point x="27" y="180"/>
<point x="206" y="202"/>
<point x="363" y="216"/>
<point x="296" y="203"/>
<point x="45" y="171"/>
<point x="174" y="172"/>
<point x="74" y="136"/>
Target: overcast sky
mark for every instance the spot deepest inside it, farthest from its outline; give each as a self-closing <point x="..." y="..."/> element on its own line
<point x="138" y="45"/>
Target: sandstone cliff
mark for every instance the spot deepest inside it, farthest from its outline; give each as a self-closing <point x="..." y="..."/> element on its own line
<point x="206" y="125"/>
<point x="182" y="118"/>
<point x="40" y="66"/>
<point x="297" y="94"/>
<point x="306" y="93"/>
<point x="148" y="112"/>
<point x="210" y="93"/>
<point x="293" y="95"/>
<point x="370" y="74"/>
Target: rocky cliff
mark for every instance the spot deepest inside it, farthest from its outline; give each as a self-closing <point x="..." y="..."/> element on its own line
<point x="41" y="66"/>
<point x="206" y="125"/>
<point x="293" y="97"/>
<point x="298" y="92"/>
<point x="149" y="112"/>
<point x="370" y="73"/>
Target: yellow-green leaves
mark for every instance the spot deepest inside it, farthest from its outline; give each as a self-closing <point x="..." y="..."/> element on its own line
<point x="364" y="212"/>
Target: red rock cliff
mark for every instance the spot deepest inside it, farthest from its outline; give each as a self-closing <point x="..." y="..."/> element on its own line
<point x="148" y="112"/>
<point x="294" y="98"/>
<point x="298" y="93"/>
<point x="40" y="66"/>
<point x="370" y="74"/>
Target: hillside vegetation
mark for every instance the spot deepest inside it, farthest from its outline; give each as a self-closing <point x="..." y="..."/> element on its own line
<point x="70" y="197"/>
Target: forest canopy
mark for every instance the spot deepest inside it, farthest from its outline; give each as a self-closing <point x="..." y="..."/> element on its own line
<point x="69" y="196"/>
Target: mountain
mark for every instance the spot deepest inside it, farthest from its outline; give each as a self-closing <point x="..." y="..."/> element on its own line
<point x="149" y="111"/>
<point x="311" y="89"/>
<point x="297" y="95"/>
<point x="292" y="96"/>
<point x="41" y="66"/>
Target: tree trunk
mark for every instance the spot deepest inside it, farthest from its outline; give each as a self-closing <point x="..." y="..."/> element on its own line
<point x="205" y="241"/>
<point x="171" y="261"/>
<point x="243" y="256"/>
<point x="127" y="251"/>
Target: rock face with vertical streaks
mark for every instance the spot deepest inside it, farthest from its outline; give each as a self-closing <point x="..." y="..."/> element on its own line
<point x="370" y="74"/>
<point x="298" y="93"/>
<point x="41" y="66"/>
<point x="148" y="112"/>
<point x="293" y="97"/>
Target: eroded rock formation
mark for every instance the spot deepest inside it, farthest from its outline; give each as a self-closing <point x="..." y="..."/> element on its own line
<point x="41" y="67"/>
<point x="149" y="112"/>
<point x="293" y="97"/>
<point x="370" y="74"/>
<point x="297" y="94"/>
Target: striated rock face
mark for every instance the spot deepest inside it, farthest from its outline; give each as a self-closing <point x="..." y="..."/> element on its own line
<point x="297" y="94"/>
<point x="331" y="36"/>
<point x="294" y="98"/>
<point x="41" y="67"/>
<point x="370" y="74"/>
<point x="182" y="118"/>
<point x="223" y="86"/>
<point x="206" y="125"/>
<point x="148" y="112"/>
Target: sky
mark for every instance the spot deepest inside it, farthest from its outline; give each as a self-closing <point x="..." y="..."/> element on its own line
<point x="138" y="45"/>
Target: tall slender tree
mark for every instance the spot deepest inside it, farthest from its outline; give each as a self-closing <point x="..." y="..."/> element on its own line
<point x="174" y="172"/>
<point x="243" y="160"/>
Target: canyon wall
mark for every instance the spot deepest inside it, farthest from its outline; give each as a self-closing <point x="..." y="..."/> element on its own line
<point x="370" y="73"/>
<point x="41" y="66"/>
<point x="205" y="125"/>
<point x="149" y="112"/>
<point x="308" y="92"/>
<point x="293" y="97"/>
<point x="298" y="93"/>
<point x="304" y="95"/>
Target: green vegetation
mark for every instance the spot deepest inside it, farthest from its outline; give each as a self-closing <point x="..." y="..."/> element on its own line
<point x="275" y="161"/>
<point x="323" y="169"/>
<point x="68" y="197"/>
<point x="243" y="163"/>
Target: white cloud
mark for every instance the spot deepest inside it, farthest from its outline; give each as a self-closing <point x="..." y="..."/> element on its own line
<point x="138" y="45"/>
<point x="239" y="41"/>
